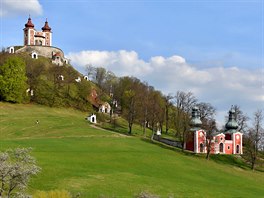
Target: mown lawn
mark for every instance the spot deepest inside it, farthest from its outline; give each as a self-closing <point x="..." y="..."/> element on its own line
<point x="79" y="158"/>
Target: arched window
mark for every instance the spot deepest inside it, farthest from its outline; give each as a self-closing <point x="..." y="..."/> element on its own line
<point x="237" y="149"/>
<point x="221" y="147"/>
<point x="201" y="148"/>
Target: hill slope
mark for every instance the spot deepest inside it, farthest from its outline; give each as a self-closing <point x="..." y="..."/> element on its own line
<point x="80" y="158"/>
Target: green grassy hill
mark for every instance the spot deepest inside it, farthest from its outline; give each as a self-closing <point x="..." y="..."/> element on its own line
<point x="78" y="157"/>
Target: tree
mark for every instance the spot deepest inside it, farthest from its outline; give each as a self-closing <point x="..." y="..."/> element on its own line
<point x="168" y="105"/>
<point x="207" y="113"/>
<point x="241" y="119"/>
<point x="184" y="103"/>
<point x="210" y="128"/>
<point x="100" y="76"/>
<point x="156" y="110"/>
<point x="13" y="80"/>
<point x="253" y="139"/>
<point x="16" y="168"/>
<point x="130" y="99"/>
<point x="90" y="70"/>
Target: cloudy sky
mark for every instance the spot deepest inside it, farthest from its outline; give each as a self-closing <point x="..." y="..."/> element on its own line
<point x="213" y="48"/>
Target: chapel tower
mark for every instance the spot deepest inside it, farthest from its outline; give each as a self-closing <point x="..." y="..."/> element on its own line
<point x="195" y="140"/>
<point x="232" y="135"/>
<point x="39" y="38"/>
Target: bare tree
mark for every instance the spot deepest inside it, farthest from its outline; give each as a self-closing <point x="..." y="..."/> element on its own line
<point x="253" y="139"/>
<point x="207" y="111"/>
<point x="16" y="168"/>
<point x="90" y="70"/>
<point x="100" y="76"/>
<point x="184" y="103"/>
<point x="210" y="128"/>
<point x="241" y="119"/>
<point x="207" y="114"/>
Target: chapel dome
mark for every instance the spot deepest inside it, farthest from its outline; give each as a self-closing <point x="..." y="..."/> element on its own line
<point x="46" y="27"/>
<point x="231" y="124"/>
<point x="29" y="24"/>
<point x="195" y="120"/>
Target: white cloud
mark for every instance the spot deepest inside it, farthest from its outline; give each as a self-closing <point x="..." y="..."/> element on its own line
<point x="20" y="7"/>
<point x="121" y="62"/>
<point x="220" y="86"/>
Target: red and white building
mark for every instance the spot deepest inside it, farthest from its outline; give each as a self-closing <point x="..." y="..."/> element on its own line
<point x="227" y="142"/>
<point x="34" y="37"/>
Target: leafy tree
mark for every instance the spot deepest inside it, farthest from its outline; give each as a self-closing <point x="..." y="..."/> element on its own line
<point x="144" y="105"/>
<point x="16" y="168"/>
<point x="156" y="110"/>
<point x="168" y="105"/>
<point x="130" y="97"/>
<point x="13" y="80"/>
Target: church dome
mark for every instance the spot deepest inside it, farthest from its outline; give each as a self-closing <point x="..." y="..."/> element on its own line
<point x="231" y="124"/>
<point x="195" y="121"/>
<point x="46" y="27"/>
<point x="29" y="24"/>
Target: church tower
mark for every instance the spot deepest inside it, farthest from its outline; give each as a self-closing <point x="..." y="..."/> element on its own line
<point x="195" y="140"/>
<point x="47" y="30"/>
<point x="29" y="32"/>
<point x="232" y="135"/>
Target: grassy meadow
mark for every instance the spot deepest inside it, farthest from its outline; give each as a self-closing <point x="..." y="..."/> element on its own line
<point x="79" y="157"/>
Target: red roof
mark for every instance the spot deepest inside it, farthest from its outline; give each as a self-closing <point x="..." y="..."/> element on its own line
<point x="57" y="54"/>
<point x="29" y="24"/>
<point x="46" y="27"/>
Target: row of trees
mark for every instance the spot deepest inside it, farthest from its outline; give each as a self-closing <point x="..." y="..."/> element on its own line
<point x="143" y="104"/>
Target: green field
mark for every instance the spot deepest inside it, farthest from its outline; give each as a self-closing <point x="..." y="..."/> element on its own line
<point x="77" y="157"/>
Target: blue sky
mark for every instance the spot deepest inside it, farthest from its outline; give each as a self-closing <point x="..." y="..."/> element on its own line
<point x="212" y="48"/>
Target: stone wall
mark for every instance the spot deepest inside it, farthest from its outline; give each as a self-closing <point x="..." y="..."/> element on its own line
<point x="45" y="51"/>
<point x="168" y="141"/>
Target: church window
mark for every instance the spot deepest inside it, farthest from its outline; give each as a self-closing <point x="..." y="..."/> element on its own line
<point x="221" y="147"/>
<point x="228" y="147"/>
